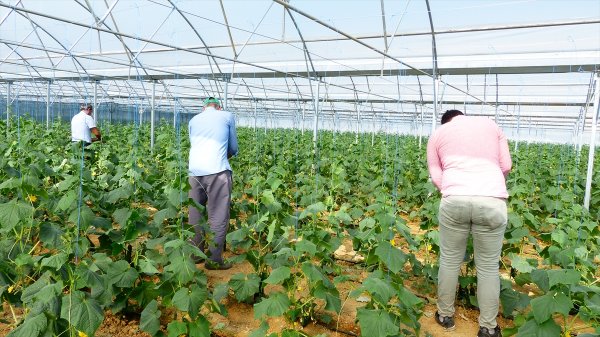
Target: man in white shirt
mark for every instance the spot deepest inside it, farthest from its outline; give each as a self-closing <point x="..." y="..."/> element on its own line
<point x="83" y="125"/>
<point x="213" y="140"/>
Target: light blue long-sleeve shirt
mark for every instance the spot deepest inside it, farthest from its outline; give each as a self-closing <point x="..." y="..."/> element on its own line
<point x="213" y="139"/>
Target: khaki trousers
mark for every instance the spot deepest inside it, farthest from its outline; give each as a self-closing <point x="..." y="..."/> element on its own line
<point x="485" y="218"/>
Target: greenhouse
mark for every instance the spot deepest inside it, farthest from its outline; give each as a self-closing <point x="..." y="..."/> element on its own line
<point x="334" y="216"/>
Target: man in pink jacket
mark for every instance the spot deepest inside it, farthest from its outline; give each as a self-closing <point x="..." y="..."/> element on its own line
<point x="468" y="161"/>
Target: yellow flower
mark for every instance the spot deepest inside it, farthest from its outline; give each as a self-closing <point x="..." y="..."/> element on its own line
<point x="31" y="198"/>
<point x="428" y="247"/>
<point x="10" y="289"/>
<point x="82" y="334"/>
<point x="393" y="242"/>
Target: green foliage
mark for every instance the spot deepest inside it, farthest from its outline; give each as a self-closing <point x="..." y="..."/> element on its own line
<point x="121" y="242"/>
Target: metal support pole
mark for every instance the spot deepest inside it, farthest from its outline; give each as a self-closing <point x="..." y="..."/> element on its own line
<point x="303" y="119"/>
<point x="8" y="87"/>
<point x="590" y="166"/>
<point x="421" y="126"/>
<point x="518" y="129"/>
<point x="373" y="131"/>
<point x="496" y="105"/>
<point x="95" y="101"/>
<point x="152" y="109"/>
<point x="316" y="124"/>
<point x="48" y="105"/>
<point x="225" y="105"/>
<point x="436" y="84"/>
<point x="357" y="122"/>
<point x="255" y="116"/>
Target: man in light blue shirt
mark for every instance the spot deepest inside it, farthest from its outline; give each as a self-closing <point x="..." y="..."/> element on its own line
<point x="213" y="141"/>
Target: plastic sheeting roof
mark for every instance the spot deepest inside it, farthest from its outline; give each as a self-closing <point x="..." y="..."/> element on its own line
<point x="518" y="59"/>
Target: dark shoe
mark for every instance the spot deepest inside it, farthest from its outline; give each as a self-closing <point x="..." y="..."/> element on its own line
<point x="486" y="332"/>
<point x="446" y="322"/>
<point x="212" y="265"/>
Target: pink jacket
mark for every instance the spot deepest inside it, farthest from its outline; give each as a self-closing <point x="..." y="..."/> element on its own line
<point x="469" y="156"/>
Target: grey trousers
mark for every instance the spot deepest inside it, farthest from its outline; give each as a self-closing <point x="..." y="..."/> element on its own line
<point x="485" y="218"/>
<point x="213" y="192"/>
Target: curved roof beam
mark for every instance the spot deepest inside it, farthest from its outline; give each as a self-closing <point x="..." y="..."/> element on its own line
<point x="282" y="3"/>
<point x="14" y="50"/>
<point x="128" y="52"/>
<point x="287" y="5"/>
<point x="98" y="23"/>
<point x="39" y="38"/>
<point x="306" y="52"/>
<point x="199" y="37"/>
<point x="433" y="44"/>
<point x="228" y="29"/>
<point x="26" y="15"/>
<point x="385" y="41"/>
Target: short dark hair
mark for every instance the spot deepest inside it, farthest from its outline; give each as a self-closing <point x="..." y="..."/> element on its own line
<point x="87" y="107"/>
<point x="449" y="114"/>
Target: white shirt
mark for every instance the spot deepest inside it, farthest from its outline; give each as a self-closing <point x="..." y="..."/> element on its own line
<point x="212" y="139"/>
<point x="80" y="127"/>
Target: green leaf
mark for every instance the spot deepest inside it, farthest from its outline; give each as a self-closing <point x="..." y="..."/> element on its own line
<point x="563" y="276"/>
<point x="313" y="210"/>
<point x="10" y="183"/>
<point x="55" y="261"/>
<point x="331" y="297"/>
<point x="366" y="223"/>
<point x="377" y="323"/>
<point x="181" y="299"/>
<point x="268" y="199"/>
<point x="84" y="215"/>
<point x="272" y="228"/>
<point x="121" y="274"/>
<point x="31" y="327"/>
<point x="122" y="215"/>
<point x="593" y="304"/>
<point x="199" y="327"/>
<point x="307" y="246"/>
<point x="520" y="264"/>
<point x="176" y="328"/>
<point x="545" y="329"/>
<point x="408" y="299"/>
<point x="181" y="267"/>
<point x="512" y="300"/>
<point x="278" y="275"/>
<point x="147" y="266"/>
<point x="67" y="201"/>
<point x="540" y="278"/>
<point x="391" y="256"/>
<point x="559" y="236"/>
<point x="50" y="234"/>
<point x="275" y="305"/>
<point x="119" y="193"/>
<point x="14" y="211"/>
<point x="190" y="300"/>
<point x="381" y="290"/>
<point x="244" y="286"/>
<point x="150" y="319"/>
<point x="315" y="275"/>
<point x="544" y="306"/>
<point x="220" y="291"/>
<point x="81" y="312"/>
<point x="163" y="214"/>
